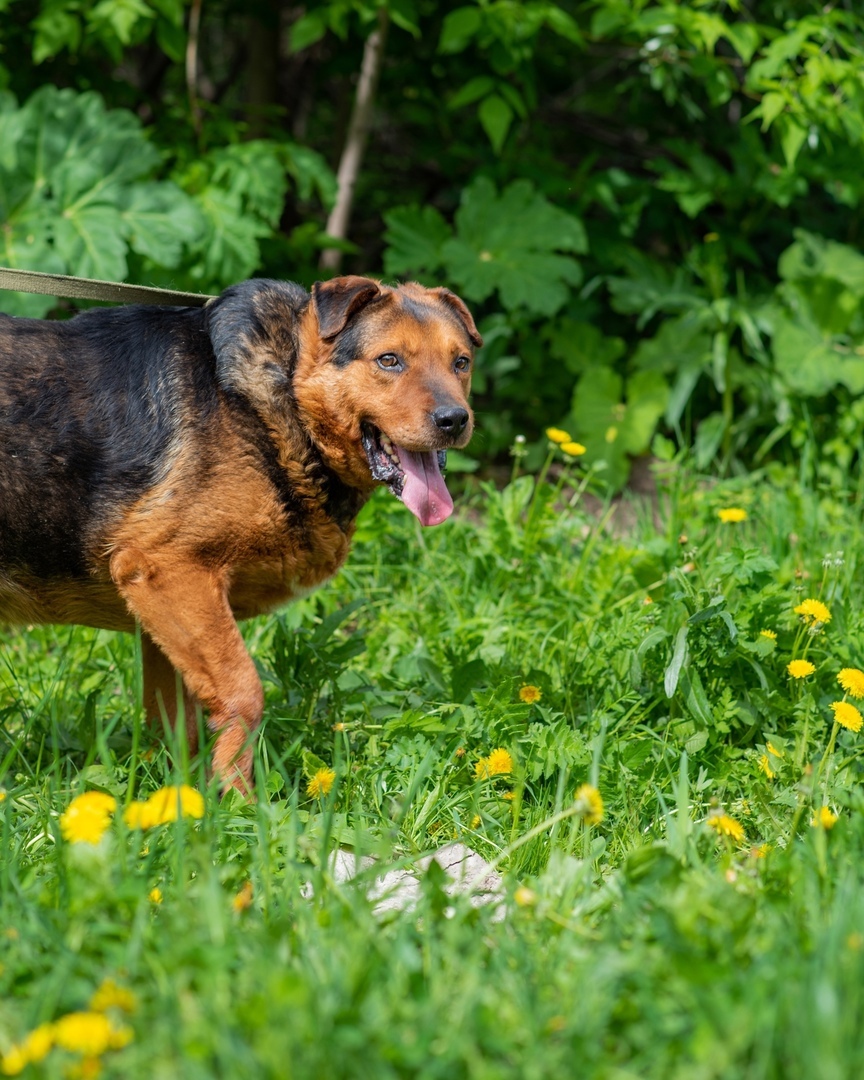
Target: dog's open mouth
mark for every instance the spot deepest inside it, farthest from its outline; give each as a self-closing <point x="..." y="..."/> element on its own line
<point x="413" y="476"/>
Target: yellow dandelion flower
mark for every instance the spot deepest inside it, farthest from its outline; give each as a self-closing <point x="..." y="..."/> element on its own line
<point x="761" y="851"/>
<point x="765" y="766"/>
<point x="509" y="796"/>
<point x="498" y="763"/>
<point x="243" y="900"/>
<point x="2" y="795"/>
<point x="34" y="1047"/>
<point x="321" y="783"/>
<point x="727" y="826"/>
<point x="14" y="1062"/>
<point x="87" y="817"/>
<point x="847" y="715"/>
<point x="90" y="1034"/>
<point x="814" y="611"/>
<point x="772" y="749"/>
<point x="556" y="435"/>
<point x="529" y="694"/>
<point x="178" y="800"/>
<point x="476" y="821"/>
<point x="138" y="815"/>
<point x="852" y="681"/>
<point x="732" y="514"/>
<point x="824" y="818"/>
<point x="573" y="449"/>
<point x="111" y="996"/>
<point x="647" y="601"/>
<point x="770" y="634"/>
<point x="525" y="897"/>
<point x="87" y="1068"/>
<point x="155" y="895"/>
<point x="164" y="806"/>
<point x="800" y="669"/>
<point x="589" y="804"/>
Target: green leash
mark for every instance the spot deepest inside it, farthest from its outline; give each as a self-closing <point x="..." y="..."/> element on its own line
<point x="74" y="288"/>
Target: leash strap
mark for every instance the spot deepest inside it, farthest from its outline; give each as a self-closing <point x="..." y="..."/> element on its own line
<point x="72" y="288"/>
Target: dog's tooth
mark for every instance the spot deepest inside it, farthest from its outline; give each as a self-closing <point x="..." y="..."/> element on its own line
<point x="387" y="445"/>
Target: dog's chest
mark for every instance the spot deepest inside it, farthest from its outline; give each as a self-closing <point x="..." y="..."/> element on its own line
<point x="263" y="584"/>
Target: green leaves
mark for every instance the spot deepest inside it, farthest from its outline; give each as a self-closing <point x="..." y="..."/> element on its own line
<point x="79" y="194"/>
<point x="113" y="24"/>
<point x="516" y="244"/>
<point x="611" y="428"/>
<point x="816" y="323"/>
<point x="76" y="194"/>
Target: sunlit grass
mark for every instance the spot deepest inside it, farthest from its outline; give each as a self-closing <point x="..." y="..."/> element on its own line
<point x="625" y="725"/>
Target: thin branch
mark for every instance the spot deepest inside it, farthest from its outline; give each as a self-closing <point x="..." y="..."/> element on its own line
<point x="355" y="141"/>
<point x="192" y="65"/>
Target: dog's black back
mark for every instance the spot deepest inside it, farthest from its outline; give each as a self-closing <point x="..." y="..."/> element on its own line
<point x="88" y="410"/>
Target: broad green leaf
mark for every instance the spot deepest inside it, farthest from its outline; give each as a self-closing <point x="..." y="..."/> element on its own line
<point x="771" y="106"/>
<point x="709" y="435"/>
<point x="414" y="236"/>
<point x="231" y="248"/>
<point x="496" y="116"/>
<point x="793" y="135"/>
<point x="813" y="256"/>
<point x="310" y="173"/>
<point x="580" y="345"/>
<point x="611" y="428"/>
<point x="809" y="363"/>
<point x="91" y="240"/>
<point x="679" y="343"/>
<point x="745" y="38"/>
<point x="679" y="659"/>
<point x="120" y="18"/>
<point x="78" y="192"/>
<point x="472" y="91"/>
<point x="511" y="243"/>
<point x="57" y="27"/>
<point x="159" y="220"/>
<point x="460" y="26"/>
<point x="308" y="29"/>
<point x="252" y="172"/>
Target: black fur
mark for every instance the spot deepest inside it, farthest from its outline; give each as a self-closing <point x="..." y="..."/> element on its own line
<point x="87" y="413"/>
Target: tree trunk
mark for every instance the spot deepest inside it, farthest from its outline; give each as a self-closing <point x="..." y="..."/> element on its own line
<point x="355" y="141"/>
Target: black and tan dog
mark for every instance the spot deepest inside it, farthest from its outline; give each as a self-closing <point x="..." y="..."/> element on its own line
<point x="187" y="467"/>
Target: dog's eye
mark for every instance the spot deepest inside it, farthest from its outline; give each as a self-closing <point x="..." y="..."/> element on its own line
<point x="462" y="363"/>
<point x="389" y="361"/>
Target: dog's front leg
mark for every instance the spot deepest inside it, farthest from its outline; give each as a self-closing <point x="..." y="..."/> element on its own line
<point x="162" y="704"/>
<point x="184" y="608"/>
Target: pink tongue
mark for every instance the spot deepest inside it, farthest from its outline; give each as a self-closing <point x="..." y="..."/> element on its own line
<point x="424" y="492"/>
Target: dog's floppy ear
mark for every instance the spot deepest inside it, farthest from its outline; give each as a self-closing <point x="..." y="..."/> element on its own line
<point x="337" y="300"/>
<point x="458" y="305"/>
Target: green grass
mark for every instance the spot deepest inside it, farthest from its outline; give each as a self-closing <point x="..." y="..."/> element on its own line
<point x="649" y="945"/>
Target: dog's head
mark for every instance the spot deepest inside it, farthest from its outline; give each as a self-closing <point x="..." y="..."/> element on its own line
<point x="381" y="385"/>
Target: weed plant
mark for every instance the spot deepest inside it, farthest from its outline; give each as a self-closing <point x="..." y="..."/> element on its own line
<point x="465" y="684"/>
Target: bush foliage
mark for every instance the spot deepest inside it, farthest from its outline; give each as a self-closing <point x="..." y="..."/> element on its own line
<point x="654" y="206"/>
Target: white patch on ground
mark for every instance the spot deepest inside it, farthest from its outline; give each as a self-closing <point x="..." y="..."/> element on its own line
<point x="398" y="890"/>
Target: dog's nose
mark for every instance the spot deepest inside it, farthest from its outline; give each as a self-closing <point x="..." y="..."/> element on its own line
<point x="451" y="419"/>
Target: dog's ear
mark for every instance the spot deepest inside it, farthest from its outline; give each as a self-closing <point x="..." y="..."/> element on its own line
<point x="458" y="305"/>
<point x="338" y="300"/>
